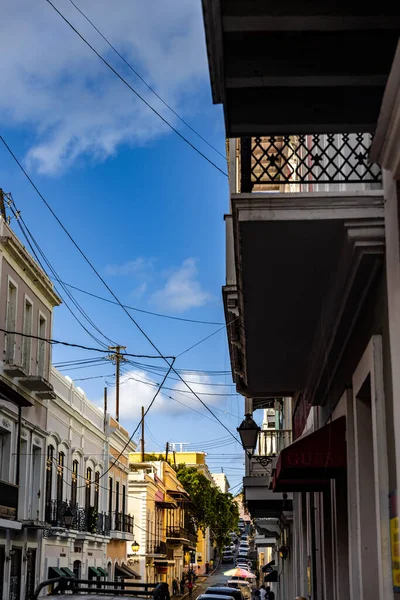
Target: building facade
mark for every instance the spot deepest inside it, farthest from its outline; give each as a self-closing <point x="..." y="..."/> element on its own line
<point x="121" y="522"/>
<point x="205" y="546"/>
<point x="221" y="481"/>
<point x="82" y="480"/>
<point x="27" y="302"/>
<point x="312" y="282"/>
<point x="163" y="530"/>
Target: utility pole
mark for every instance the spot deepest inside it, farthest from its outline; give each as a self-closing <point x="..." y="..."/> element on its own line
<point x="142" y="440"/>
<point x="166" y="452"/>
<point x="105" y="409"/>
<point x="117" y="356"/>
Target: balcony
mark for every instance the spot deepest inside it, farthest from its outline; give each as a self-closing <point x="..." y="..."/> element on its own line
<point x="305" y="245"/>
<point x="84" y="520"/>
<point x="181" y="535"/>
<point x="270" y="443"/>
<point x="251" y="48"/>
<point x="261" y="501"/>
<point x="122" y="526"/>
<point x="8" y="500"/>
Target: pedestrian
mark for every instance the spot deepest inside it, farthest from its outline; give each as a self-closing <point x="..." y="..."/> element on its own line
<point x="182" y="585"/>
<point x="161" y="592"/>
<point x="269" y="594"/>
<point x="190" y="587"/>
<point x="207" y="568"/>
<point x="256" y="594"/>
<point x="263" y="592"/>
<point x="175" y="588"/>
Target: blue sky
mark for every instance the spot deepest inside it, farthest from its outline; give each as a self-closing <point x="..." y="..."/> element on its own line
<point x="146" y="209"/>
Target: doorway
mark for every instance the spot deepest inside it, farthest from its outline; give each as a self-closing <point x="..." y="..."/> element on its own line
<point x="15" y="573"/>
<point x="30" y="573"/>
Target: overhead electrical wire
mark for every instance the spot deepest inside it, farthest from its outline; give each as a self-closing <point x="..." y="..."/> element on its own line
<point x="111" y="291"/>
<point x="139" y="424"/>
<point x="140" y="310"/>
<point x="132" y="89"/>
<point x="53" y="341"/>
<point x="29" y="238"/>
<point x="152" y="384"/>
<point x="144" y="81"/>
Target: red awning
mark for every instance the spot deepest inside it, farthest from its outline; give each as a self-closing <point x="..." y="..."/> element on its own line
<point x="310" y="462"/>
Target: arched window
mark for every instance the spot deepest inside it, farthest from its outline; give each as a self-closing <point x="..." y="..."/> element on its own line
<point x="88" y="487"/>
<point x="60" y="476"/>
<point x="96" y="490"/>
<point x="74" y="482"/>
<point x="49" y="473"/>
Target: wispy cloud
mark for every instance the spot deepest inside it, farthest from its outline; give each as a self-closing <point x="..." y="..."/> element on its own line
<point x="135" y="267"/>
<point x="137" y="389"/>
<point x="182" y="290"/>
<point x="60" y="92"/>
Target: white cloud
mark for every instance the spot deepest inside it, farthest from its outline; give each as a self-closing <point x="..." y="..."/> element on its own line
<point x="182" y="290"/>
<point x="137" y="389"/>
<point x="138" y="266"/>
<point x="59" y="91"/>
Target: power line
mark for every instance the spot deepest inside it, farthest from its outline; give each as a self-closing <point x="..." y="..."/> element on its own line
<point x="173" y="389"/>
<point x="206" y="338"/>
<point x="27" y="235"/>
<point x="189" y="143"/>
<point x="144" y="81"/>
<point x="52" y="341"/>
<point x="146" y="312"/>
<point x="140" y="422"/>
<point x="110" y="290"/>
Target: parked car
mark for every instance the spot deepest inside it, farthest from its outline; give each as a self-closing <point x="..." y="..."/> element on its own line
<point x="243" y="586"/>
<point x="211" y="595"/>
<point x="227" y="557"/>
<point x="244" y="565"/>
<point x="243" y="555"/>
<point x="224" y="591"/>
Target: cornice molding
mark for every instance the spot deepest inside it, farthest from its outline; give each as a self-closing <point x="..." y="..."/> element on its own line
<point x="385" y="149"/>
<point x="19" y="254"/>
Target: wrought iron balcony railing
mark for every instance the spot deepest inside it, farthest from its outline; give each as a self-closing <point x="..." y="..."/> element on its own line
<point x="296" y="163"/>
<point x="83" y="519"/>
<point x="121" y="522"/>
<point x="176" y="532"/>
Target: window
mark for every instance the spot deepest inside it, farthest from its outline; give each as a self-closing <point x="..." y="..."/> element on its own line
<point x="11" y="321"/>
<point x="74" y="482"/>
<point x="5" y="455"/>
<point x="60" y="476"/>
<point x="41" y="356"/>
<point x="96" y="490"/>
<point x="123" y="499"/>
<point x="49" y="475"/>
<point x="88" y="487"/>
<point x="117" y="496"/>
<point x="110" y="495"/>
<point x="27" y="341"/>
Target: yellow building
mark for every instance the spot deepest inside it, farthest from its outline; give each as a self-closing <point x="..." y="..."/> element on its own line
<point x="162" y="528"/>
<point x="204" y="548"/>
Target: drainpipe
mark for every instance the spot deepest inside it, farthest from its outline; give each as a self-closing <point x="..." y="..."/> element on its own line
<point x="17" y="470"/>
<point x="313" y="548"/>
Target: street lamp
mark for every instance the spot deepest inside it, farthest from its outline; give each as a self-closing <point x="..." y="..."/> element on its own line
<point x="68" y="517"/>
<point x="248" y="431"/>
<point x="135" y="547"/>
